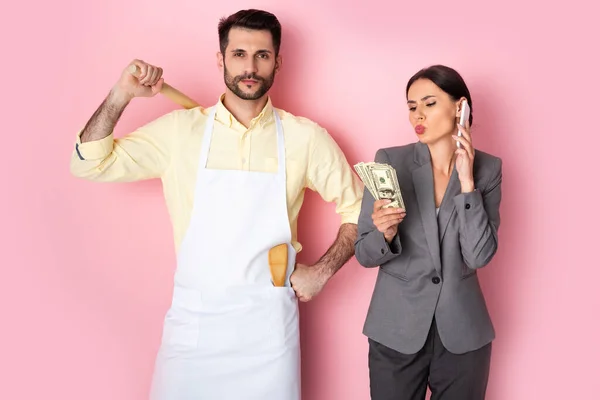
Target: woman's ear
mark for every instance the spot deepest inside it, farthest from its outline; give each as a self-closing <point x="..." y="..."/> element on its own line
<point x="459" y="106"/>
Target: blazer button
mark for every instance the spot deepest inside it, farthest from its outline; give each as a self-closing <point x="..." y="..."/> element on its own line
<point x="435" y="280"/>
<point x="382" y="251"/>
<point x="467" y="206"/>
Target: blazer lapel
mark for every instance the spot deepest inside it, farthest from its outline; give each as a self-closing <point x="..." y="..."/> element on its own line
<point x="423" y="184"/>
<point x="447" y="208"/>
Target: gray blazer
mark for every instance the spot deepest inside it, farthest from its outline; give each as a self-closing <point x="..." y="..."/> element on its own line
<point x="430" y="268"/>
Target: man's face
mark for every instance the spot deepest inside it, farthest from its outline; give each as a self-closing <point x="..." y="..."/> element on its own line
<point x="249" y="63"/>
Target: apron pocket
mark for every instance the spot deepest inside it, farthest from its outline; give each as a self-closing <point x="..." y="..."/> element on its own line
<point x="181" y="329"/>
<point x="236" y="322"/>
<point x="284" y="319"/>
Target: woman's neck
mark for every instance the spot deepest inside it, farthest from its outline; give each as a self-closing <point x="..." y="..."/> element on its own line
<point x="443" y="154"/>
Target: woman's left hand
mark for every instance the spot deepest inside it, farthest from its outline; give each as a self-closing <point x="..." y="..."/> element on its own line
<point x="464" y="159"/>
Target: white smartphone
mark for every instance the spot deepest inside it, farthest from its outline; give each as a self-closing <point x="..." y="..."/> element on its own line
<point x="465" y="112"/>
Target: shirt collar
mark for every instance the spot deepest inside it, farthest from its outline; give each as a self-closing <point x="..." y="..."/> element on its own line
<point x="224" y="116"/>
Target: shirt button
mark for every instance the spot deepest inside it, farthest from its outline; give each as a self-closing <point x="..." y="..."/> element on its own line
<point x="243" y="161"/>
<point x="435" y="280"/>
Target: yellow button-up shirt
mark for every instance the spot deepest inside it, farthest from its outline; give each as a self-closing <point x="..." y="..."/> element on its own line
<point x="169" y="148"/>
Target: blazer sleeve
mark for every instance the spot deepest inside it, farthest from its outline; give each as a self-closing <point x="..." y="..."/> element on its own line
<point x="479" y="220"/>
<point x="371" y="248"/>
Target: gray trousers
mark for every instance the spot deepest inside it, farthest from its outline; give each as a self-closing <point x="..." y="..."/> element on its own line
<point x="397" y="376"/>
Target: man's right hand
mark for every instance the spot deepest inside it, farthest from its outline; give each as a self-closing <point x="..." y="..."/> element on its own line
<point x="147" y="83"/>
<point x="386" y="220"/>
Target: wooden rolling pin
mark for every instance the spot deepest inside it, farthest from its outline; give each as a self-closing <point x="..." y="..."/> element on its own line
<point x="278" y="261"/>
<point x="169" y="91"/>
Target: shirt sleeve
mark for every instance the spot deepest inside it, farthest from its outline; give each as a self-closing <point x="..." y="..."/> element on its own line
<point x="330" y="175"/>
<point x="142" y="154"/>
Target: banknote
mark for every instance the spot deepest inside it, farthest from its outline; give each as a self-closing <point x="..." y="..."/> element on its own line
<point x="381" y="181"/>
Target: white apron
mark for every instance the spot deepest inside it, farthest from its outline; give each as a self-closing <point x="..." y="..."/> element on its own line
<point x="230" y="334"/>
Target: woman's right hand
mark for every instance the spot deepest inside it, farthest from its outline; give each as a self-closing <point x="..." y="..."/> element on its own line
<point x="386" y="220"/>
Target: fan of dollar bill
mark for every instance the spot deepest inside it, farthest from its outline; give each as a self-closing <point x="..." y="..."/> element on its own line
<point x="381" y="180"/>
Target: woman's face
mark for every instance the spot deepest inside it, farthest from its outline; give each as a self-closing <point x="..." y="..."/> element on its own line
<point x="431" y="111"/>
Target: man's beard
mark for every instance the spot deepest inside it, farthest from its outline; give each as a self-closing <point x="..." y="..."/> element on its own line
<point x="264" y="85"/>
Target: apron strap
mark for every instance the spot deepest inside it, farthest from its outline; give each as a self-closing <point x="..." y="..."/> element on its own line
<point x="280" y="147"/>
<point x="208" y="129"/>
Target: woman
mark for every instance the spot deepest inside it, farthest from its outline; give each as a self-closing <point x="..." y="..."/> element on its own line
<point x="428" y="322"/>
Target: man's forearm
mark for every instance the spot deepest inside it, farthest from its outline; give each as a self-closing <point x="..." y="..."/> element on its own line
<point x="103" y="121"/>
<point x="340" y="251"/>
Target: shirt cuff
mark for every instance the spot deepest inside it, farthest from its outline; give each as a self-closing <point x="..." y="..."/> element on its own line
<point x="350" y="218"/>
<point x="94" y="150"/>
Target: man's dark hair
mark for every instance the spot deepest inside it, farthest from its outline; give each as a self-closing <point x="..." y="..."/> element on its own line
<point x="250" y="19"/>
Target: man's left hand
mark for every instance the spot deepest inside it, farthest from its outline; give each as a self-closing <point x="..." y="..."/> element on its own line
<point x="307" y="281"/>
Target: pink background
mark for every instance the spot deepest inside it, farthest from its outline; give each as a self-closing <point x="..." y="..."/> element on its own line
<point x="87" y="267"/>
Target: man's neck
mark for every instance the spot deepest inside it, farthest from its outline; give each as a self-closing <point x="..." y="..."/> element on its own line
<point x="244" y="110"/>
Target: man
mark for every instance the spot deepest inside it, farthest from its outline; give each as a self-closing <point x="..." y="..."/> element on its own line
<point x="230" y="333"/>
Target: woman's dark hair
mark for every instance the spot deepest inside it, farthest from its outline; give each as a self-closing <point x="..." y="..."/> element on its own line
<point x="446" y="79"/>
